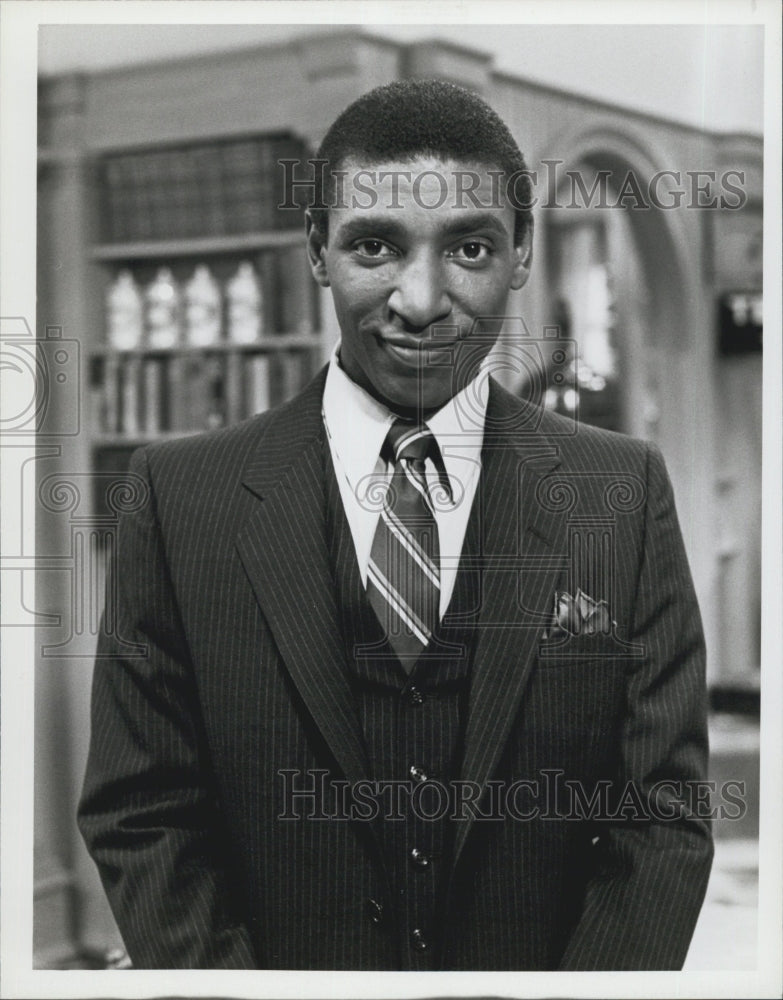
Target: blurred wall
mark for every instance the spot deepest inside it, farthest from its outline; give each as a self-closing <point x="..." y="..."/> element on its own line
<point x="706" y="75"/>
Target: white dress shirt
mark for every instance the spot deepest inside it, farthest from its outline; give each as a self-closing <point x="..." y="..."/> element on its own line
<point x="356" y="427"/>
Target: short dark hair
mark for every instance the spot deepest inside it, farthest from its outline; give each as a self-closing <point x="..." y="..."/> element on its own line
<point x="410" y="118"/>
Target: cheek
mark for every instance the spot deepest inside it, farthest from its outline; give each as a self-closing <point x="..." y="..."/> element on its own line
<point x="356" y="298"/>
<point x="481" y="294"/>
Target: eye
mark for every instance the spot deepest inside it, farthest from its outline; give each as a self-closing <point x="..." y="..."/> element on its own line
<point x="472" y="250"/>
<point x="373" y="248"/>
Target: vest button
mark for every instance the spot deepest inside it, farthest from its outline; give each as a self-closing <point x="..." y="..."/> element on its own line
<point x="374" y="911"/>
<point x="415" y="697"/>
<point x="418" y="941"/>
<point x="419" y="858"/>
<point x="418" y="774"/>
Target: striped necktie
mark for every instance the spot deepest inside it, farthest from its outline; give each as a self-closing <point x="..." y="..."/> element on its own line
<point x="403" y="582"/>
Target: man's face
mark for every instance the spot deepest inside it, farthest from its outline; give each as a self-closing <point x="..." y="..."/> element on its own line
<point x="413" y="261"/>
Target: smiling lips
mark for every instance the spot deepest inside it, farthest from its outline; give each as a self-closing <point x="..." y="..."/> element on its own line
<point x="418" y="356"/>
<point x="414" y="348"/>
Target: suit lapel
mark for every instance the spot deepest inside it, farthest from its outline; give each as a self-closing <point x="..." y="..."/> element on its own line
<point x="284" y="552"/>
<point x="522" y="558"/>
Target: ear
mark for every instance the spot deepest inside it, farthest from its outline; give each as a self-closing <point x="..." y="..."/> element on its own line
<point x="523" y="258"/>
<point x="316" y="251"/>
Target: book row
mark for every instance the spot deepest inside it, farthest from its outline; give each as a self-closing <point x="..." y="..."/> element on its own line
<point x="201" y="189"/>
<point x="148" y="396"/>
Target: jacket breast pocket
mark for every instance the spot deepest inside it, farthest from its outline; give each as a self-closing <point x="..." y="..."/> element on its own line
<point x="574" y="703"/>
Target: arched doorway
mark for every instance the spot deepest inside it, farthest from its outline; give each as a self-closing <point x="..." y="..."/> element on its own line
<point x="614" y="285"/>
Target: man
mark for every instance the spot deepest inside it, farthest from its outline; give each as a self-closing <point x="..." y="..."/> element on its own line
<point x="422" y="683"/>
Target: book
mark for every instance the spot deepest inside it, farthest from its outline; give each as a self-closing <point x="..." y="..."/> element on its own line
<point x="152" y="406"/>
<point x="111" y="407"/>
<point x="130" y="372"/>
<point x="214" y="385"/>
<point x="97" y="395"/>
<point x="243" y="178"/>
<point x="233" y="387"/>
<point x="115" y="217"/>
<point x="258" y="384"/>
<point x="283" y="191"/>
<point x="178" y="392"/>
<point x="211" y="202"/>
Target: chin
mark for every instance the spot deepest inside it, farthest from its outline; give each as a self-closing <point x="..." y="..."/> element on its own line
<point x="404" y="394"/>
<point x="414" y="399"/>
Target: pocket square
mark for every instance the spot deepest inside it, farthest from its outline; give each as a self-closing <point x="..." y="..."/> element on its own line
<point x="581" y="615"/>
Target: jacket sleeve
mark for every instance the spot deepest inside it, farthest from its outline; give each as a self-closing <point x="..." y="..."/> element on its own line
<point x="641" y="907"/>
<point x="148" y="812"/>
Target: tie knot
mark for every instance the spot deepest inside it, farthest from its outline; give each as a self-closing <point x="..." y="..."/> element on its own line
<point x="410" y="441"/>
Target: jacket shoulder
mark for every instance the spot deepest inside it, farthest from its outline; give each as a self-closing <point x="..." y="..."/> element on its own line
<point x="596" y="447"/>
<point x="217" y="457"/>
<point x="577" y="444"/>
<point x="203" y="455"/>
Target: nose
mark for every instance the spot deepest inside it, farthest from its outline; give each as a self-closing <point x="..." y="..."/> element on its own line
<point x="420" y="296"/>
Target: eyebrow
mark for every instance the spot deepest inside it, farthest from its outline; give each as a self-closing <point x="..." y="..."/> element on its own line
<point x="390" y="224"/>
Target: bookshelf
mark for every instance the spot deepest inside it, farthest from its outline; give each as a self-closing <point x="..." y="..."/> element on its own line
<point x="184" y="211"/>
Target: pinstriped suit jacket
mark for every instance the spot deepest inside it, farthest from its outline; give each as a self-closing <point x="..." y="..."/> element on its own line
<point x="226" y="667"/>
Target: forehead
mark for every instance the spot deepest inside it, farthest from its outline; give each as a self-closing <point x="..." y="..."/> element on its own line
<point x="424" y="191"/>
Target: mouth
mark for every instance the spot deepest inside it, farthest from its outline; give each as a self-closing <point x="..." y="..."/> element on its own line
<point x="414" y="349"/>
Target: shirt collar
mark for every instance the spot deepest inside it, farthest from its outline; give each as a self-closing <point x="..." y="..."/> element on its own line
<point x="357" y="424"/>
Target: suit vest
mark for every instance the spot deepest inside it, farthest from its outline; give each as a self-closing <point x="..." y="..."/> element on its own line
<point x="413" y="727"/>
